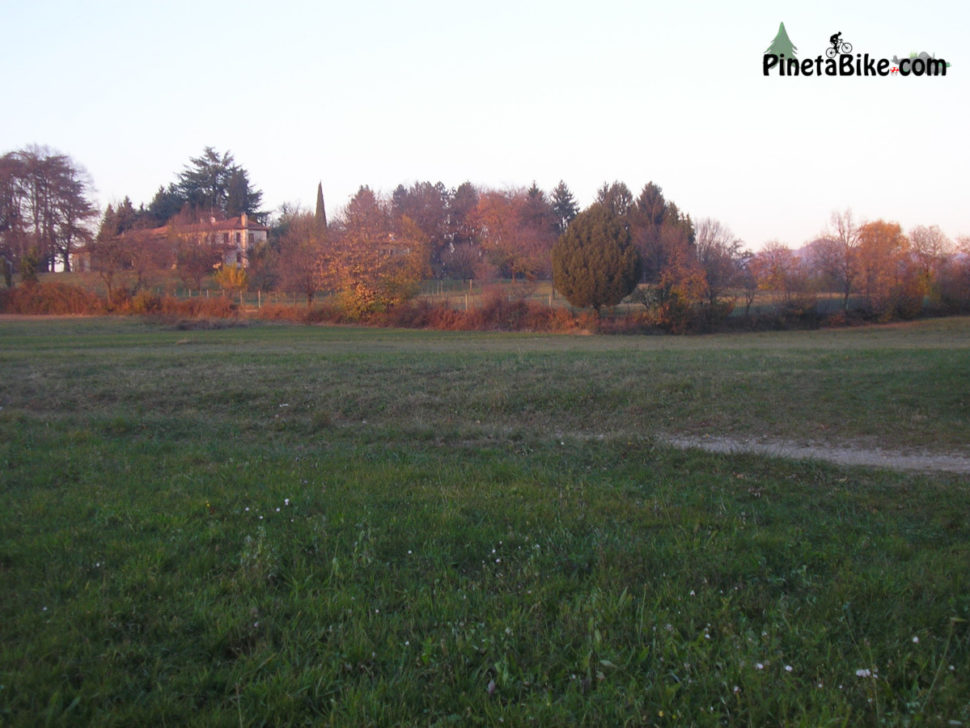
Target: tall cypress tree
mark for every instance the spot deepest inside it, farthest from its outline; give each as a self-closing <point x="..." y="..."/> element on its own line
<point x="320" y="216"/>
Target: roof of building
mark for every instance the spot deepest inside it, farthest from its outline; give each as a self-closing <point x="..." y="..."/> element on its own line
<point x="213" y="225"/>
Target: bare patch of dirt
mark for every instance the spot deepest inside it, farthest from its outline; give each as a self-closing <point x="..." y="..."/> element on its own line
<point x="920" y="462"/>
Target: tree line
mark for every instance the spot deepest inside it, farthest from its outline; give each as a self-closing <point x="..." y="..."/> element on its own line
<point x="376" y="251"/>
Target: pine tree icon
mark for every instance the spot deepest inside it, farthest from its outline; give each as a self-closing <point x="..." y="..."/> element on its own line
<point x="782" y="44"/>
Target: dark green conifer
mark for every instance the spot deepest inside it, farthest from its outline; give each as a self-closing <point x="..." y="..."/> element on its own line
<point x="594" y="263"/>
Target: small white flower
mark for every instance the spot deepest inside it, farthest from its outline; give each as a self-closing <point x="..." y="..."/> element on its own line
<point x="863" y="672"/>
<point x="915" y="640"/>
<point x="788" y="668"/>
<point x="286" y="501"/>
<point x="759" y="666"/>
<point x="735" y="690"/>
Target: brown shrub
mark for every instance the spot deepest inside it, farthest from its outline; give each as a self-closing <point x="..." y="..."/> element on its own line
<point x="50" y="298"/>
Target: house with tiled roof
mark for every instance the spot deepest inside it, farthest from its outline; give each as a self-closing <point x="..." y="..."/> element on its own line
<point x="236" y="237"/>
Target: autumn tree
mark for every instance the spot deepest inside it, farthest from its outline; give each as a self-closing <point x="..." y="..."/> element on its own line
<point x="594" y="263"/>
<point x="376" y="267"/>
<point x="302" y="264"/>
<point x="884" y="275"/>
<point x="777" y="269"/>
<point x="110" y="257"/>
<point x="496" y="218"/>
<point x="231" y="278"/>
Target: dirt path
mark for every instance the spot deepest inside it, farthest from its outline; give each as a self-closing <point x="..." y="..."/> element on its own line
<point x="838" y="455"/>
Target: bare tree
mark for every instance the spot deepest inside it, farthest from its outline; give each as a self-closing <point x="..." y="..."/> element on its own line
<point x="303" y="266"/>
<point x="835" y="255"/>
<point x="719" y="253"/>
<point x="932" y="251"/>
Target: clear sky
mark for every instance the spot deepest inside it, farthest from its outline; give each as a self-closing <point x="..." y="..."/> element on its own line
<point x="502" y="93"/>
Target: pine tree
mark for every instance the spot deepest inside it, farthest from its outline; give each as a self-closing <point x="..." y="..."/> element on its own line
<point x="564" y="206"/>
<point x="782" y="44"/>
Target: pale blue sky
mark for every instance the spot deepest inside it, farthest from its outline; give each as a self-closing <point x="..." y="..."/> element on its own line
<point x="501" y="94"/>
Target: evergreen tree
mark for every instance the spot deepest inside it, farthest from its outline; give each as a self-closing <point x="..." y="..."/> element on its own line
<point x="166" y="204"/>
<point x="564" y="206"/>
<point x="782" y="44"/>
<point x="212" y="184"/>
<point x="109" y="224"/>
<point x="594" y="263"/>
<point x="240" y="195"/>
<point x="617" y="198"/>
<point x="659" y="231"/>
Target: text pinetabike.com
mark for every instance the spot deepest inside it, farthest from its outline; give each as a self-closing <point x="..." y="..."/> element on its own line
<point x="848" y="65"/>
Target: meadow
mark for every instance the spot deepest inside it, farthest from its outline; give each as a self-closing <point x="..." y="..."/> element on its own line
<point x="277" y="525"/>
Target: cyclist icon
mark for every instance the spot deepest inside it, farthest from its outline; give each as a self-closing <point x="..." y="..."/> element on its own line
<point x="838" y="47"/>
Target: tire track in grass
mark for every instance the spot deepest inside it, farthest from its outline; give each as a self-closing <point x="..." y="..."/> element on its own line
<point x="870" y="457"/>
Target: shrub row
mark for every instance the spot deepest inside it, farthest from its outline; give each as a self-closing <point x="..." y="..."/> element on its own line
<point x="497" y="313"/>
<point x="54" y="298"/>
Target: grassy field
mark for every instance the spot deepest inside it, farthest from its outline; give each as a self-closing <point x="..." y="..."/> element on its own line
<point x="271" y="525"/>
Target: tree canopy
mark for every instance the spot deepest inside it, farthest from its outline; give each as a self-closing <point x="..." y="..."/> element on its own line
<point x="213" y="183"/>
<point x="45" y="208"/>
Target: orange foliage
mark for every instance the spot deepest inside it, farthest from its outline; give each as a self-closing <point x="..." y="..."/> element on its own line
<point x="885" y="277"/>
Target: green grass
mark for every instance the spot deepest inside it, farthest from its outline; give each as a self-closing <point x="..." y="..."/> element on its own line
<point x="273" y="525"/>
